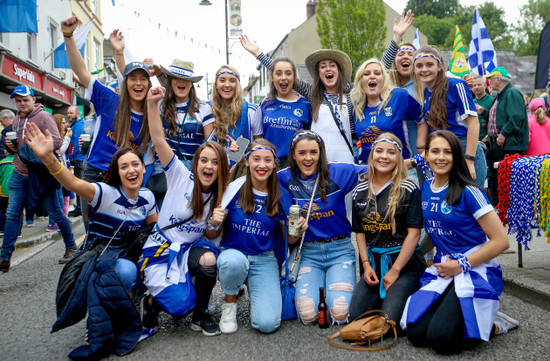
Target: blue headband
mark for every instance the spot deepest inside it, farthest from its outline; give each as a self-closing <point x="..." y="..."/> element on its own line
<point x="297" y="136"/>
<point x="228" y="72"/>
<point x="406" y="48"/>
<point x="258" y="147"/>
<point x="388" y="141"/>
<point x="427" y="56"/>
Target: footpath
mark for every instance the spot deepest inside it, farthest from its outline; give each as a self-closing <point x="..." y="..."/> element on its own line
<point x="530" y="282"/>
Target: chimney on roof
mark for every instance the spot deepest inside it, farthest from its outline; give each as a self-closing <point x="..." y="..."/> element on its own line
<point x="311" y="6"/>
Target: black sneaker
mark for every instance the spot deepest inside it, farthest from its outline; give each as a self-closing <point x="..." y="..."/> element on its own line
<point x="74" y="213"/>
<point x="207" y="325"/>
<point x="150" y="313"/>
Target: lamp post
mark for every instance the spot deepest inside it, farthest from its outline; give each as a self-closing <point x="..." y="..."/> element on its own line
<point x="208" y="3"/>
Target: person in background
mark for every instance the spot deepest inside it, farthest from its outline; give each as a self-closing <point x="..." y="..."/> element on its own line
<point x="539" y="129"/>
<point x="76" y="122"/>
<point x="6" y="119"/>
<point x="6" y="170"/>
<point x="483" y="101"/>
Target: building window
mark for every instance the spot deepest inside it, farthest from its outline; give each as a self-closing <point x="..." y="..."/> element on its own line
<point x="53" y="42"/>
<point x="31" y="46"/>
<point x="97" y="55"/>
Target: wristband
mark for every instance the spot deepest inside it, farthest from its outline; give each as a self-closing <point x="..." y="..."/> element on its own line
<point x="59" y="171"/>
<point x="469" y="157"/>
<point x="421" y="147"/>
<point x="413" y="162"/>
<point x="211" y="227"/>
<point x="66" y="32"/>
<point x="463" y="262"/>
<point x="119" y="53"/>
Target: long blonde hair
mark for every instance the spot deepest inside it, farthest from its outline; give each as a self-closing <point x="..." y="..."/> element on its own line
<point x="358" y="96"/>
<point x="226" y="117"/>
<point x="540" y="116"/>
<point x="399" y="174"/>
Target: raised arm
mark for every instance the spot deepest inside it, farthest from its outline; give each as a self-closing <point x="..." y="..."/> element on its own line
<point x="117" y="41"/>
<point x="42" y="146"/>
<point x="68" y="26"/>
<point x="399" y="29"/>
<point x="156" y="130"/>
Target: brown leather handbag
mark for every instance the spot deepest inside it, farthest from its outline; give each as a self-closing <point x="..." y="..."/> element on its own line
<point x="367" y="329"/>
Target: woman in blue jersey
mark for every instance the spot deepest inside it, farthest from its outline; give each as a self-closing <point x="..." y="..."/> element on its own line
<point x="283" y="112"/>
<point x="380" y="107"/>
<point x="172" y="256"/>
<point x="251" y="234"/>
<point x="122" y="119"/>
<point x="456" y="306"/>
<point x="234" y="116"/>
<point x="328" y="256"/>
<point x="119" y="201"/>
<point x="387" y="220"/>
<point x="448" y="104"/>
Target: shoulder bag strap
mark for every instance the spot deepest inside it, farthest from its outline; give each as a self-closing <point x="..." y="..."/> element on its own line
<point x="339" y="128"/>
<point x="299" y="252"/>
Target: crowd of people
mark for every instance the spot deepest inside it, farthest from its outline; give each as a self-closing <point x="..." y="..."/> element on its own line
<point x="219" y="177"/>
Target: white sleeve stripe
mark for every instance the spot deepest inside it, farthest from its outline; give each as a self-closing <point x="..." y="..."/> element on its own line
<point x="483" y="211"/>
<point x="476" y="192"/>
<point x="463" y="97"/>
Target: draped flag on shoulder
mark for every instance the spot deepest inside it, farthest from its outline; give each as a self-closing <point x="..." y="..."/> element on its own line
<point x="416" y="41"/>
<point x="482" y="57"/>
<point x="458" y="65"/>
<point x="18" y="16"/>
<point x="60" y="58"/>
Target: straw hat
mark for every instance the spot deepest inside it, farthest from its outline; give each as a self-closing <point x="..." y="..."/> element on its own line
<point x="182" y="70"/>
<point x="338" y="56"/>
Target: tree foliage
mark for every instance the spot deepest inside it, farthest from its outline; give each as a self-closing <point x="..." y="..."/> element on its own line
<point x="437" y="30"/>
<point x="356" y="27"/>
<point x="437" y="8"/>
<point x="535" y="15"/>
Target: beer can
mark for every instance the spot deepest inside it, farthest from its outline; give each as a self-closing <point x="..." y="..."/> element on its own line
<point x="150" y="65"/>
<point x="293" y="218"/>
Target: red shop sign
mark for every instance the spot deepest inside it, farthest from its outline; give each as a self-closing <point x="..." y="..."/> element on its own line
<point x="22" y="73"/>
<point x="57" y="90"/>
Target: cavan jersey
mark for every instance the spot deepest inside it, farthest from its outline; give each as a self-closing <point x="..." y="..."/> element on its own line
<point x="189" y="134"/>
<point x="105" y="101"/>
<point x="281" y="119"/>
<point x="369" y="214"/>
<point x="250" y="233"/>
<point x="454" y="228"/>
<point x="460" y="104"/>
<point x="111" y="206"/>
<point x="392" y="118"/>
<point x="327" y="219"/>
<point x="176" y="208"/>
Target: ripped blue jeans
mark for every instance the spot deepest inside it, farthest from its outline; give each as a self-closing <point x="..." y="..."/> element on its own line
<point x="329" y="265"/>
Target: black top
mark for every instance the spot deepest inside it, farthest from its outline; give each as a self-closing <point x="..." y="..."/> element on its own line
<point x="368" y="217"/>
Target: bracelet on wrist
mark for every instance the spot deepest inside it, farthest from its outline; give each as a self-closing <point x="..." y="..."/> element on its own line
<point x="67" y="32"/>
<point x="211" y="227"/>
<point x="67" y="36"/>
<point x="421" y="147"/>
<point x="119" y="53"/>
<point x="413" y="162"/>
<point x="59" y="171"/>
<point x="469" y="157"/>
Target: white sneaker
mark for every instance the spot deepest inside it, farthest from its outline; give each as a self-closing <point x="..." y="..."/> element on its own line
<point x="228" y="321"/>
<point x="504" y="323"/>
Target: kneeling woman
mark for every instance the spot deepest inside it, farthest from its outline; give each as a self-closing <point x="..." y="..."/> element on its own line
<point x="172" y="256"/>
<point x="387" y="218"/>
<point x="251" y="234"/>
<point x="457" y="304"/>
<point x="328" y="256"/>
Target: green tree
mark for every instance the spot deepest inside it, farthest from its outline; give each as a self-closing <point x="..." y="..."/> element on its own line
<point x="437" y="8"/>
<point x="437" y="30"/>
<point x="356" y="27"/>
<point x="535" y="15"/>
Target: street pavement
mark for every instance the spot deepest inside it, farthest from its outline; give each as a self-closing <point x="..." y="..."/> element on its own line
<point x="27" y="312"/>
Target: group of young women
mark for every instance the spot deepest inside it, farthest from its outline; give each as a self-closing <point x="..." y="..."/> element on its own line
<point x="208" y="230"/>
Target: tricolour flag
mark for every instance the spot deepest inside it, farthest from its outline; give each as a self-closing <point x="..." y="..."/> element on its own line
<point x="416" y="40"/>
<point x="458" y="65"/>
<point x="482" y="57"/>
<point x="60" y="58"/>
<point x="18" y="16"/>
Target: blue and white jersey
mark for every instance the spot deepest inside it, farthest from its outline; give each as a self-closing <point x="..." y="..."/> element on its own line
<point x="392" y="118"/>
<point x="111" y="206"/>
<point x="327" y="219"/>
<point x="105" y="101"/>
<point x="281" y="119"/>
<point x="176" y="208"/>
<point x="460" y="105"/>
<point x="454" y="228"/>
<point x="250" y="233"/>
<point x="189" y="134"/>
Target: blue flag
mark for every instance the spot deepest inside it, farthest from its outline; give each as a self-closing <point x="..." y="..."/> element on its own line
<point x="60" y="59"/>
<point x="18" y="16"/>
<point x="482" y="57"/>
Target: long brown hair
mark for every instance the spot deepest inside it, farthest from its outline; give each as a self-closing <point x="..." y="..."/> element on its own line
<point x="399" y="174"/>
<point x="317" y="94"/>
<point x="122" y="133"/>
<point x="168" y="107"/>
<point x="540" y="116"/>
<point x="218" y="187"/>
<point x="437" y="115"/>
<point x="322" y="166"/>
<point x="226" y="117"/>
<point x="58" y="119"/>
<point x="272" y="89"/>
<point x="247" y="200"/>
